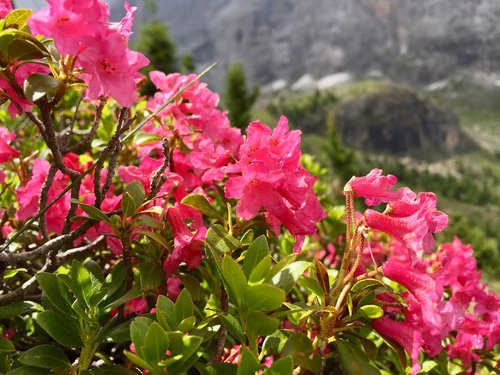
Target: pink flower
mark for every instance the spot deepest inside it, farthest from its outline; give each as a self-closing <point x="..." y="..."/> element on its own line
<point x="412" y="220"/>
<point x="404" y="334"/>
<point x="5" y="8"/>
<point x="70" y="23"/>
<point x="269" y="176"/>
<point x="6" y="152"/>
<point x="187" y="245"/>
<point x="374" y="187"/>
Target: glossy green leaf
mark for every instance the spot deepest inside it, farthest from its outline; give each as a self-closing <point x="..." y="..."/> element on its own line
<point x="247" y="238"/>
<point x="323" y="279"/>
<point x="365" y="285"/>
<point x="354" y="360"/>
<point x="200" y="203"/>
<point x="56" y="292"/>
<point x="94" y="213"/>
<point x="120" y="333"/>
<point x="84" y="283"/>
<point x="371" y="311"/>
<point x="155" y="237"/>
<point x="165" y="313"/>
<point x="134" y="358"/>
<point x="128" y="205"/>
<point x="137" y="193"/>
<point x="151" y="275"/>
<point x="29" y="370"/>
<point x="264" y="297"/>
<point x="36" y="85"/>
<point x="45" y="356"/>
<point x="257" y="251"/>
<point x="111" y="370"/>
<point x="6" y="345"/>
<point x="288" y="275"/>
<point x="138" y="329"/>
<point x="93" y="267"/>
<point x="187" y="346"/>
<point x="221" y="369"/>
<point x="297" y="343"/>
<point x="235" y="278"/>
<point x="18" y="19"/>
<point x="249" y="364"/>
<point x="155" y="344"/>
<point x="273" y="344"/>
<point x="219" y="239"/>
<point x="62" y="328"/>
<point x="115" y="283"/>
<point x="259" y="324"/>
<point x="23" y="49"/>
<point x="187" y="324"/>
<point x="259" y="274"/>
<point x="283" y="366"/>
<point x="233" y="327"/>
<point x="184" y="307"/>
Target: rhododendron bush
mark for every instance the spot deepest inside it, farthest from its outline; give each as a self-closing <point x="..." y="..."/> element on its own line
<point x="146" y="234"/>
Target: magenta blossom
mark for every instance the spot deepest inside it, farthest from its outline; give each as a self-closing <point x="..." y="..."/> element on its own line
<point x="374" y="187"/>
<point x="6" y="152"/>
<point x="268" y="176"/>
<point x="5" y="8"/>
<point x="187" y="245"/>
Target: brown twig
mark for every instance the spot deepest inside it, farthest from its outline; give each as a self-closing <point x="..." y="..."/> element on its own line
<point x="42" y="201"/>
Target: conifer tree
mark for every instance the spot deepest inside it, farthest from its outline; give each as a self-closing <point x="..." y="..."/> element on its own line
<point x="238" y="100"/>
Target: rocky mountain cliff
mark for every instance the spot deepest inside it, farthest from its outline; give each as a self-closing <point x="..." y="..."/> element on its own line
<point x="422" y="41"/>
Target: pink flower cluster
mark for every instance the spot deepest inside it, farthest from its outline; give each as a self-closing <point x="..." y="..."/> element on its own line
<point x="268" y="176"/>
<point x="468" y="316"/>
<point x="5" y="8"/>
<point x="81" y="29"/>
<point x="408" y="217"/>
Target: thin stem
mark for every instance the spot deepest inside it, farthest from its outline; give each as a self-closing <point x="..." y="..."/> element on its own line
<point x="44" y="194"/>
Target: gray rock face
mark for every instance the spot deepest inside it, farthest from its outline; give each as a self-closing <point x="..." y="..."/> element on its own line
<point x="394" y="119"/>
<point x="422" y="40"/>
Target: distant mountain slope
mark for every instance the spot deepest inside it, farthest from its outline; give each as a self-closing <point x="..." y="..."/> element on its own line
<point x="422" y="41"/>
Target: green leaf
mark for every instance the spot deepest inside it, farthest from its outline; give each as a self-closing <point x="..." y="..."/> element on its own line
<point x="111" y="370"/>
<point x="165" y="313"/>
<point x="134" y="358"/>
<point x="261" y="271"/>
<point x="30" y="49"/>
<point x="323" y="279"/>
<point x="6" y="345"/>
<point x="138" y="329"/>
<point x="297" y="343"/>
<point x="200" y="203"/>
<point x="187" y="324"/>
<point x="221" y="369"/>
<point x="233" y="326"/>
<point x="354" y="360"/>
<point x="62" y="328"/>
<point x="93" y="267"/>
<point x="120" y="333"/>
<point x="260" y="324"/>
<point x="12" y="272"/>
<point x="114" y="283"/>
<point x="84" y="283"/>
<point x="147" y="221"/>
<point x="219" y="239"/>
<point x="235" y="279"/>
<point x="247" y="238"/>
<point x="366" y="299"/>
<point x="94" y="213"/>
<point x="312" y="286"/>
<point x="155" y="344"/>
<point x="17" y="19"/>
<point x="191" y="283"/>
<point x="371" y="311"/>
<point x="264" y="297"/>
<point x="257" y="251"/>
<point x="136" y="191"/>
<point x="151" y="275"/>
<point x="249" y="364"/>
<point x="45" y="356"/>
<point x="288" y="275"/>
<point x="29" y="370"/>
<point x="56" y="292"/>
<point x="184" y="307"/>
<point x="36" y="85"/>
<point x="283" y="366"/>
<point x="128" y="205"/>
<point x="155" y="237"/>
<point x="17" y="308"/>
<point x="186" y="346"/>
<point x="365" y="285"/>
<point x="273" y="344"/>
<point x="145" y="138"/>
